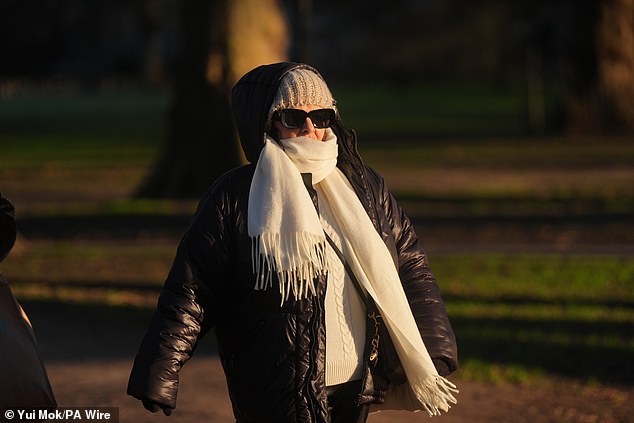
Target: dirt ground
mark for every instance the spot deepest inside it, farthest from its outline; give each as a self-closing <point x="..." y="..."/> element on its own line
<point x="89" y="353"/>
<point x="203" y="398"/>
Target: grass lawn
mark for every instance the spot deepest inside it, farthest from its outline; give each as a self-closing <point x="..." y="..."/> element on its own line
<point x="533" y="315"/>
<point x="518" y="316"/>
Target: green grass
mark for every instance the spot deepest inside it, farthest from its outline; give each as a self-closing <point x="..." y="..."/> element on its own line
<point x="547" y="278"/>
<point x="81" y="129"/>
<point x="91" y="262"/>
<point x="78" y="150"/>
<point x="76" y="112"/>
<point x="372" y="109"/>
<point x="430" y="108"/>
<point x="574" y="152"/>
<point x="518" y="317"/>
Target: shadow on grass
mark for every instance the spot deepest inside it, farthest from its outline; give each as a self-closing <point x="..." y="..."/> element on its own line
<point x="597" y="351"/>
<point x="72" y="332"/>
<point x="117" y="226"/>
<point x="604" y="229"/>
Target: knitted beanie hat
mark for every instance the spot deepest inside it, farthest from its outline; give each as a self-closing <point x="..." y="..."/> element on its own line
<point x="301" y="87"/>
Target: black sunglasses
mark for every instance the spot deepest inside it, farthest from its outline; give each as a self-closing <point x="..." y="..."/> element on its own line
<point x="295" y="118"/>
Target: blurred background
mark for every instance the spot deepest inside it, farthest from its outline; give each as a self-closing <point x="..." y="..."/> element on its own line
<point x="505" y="129"/>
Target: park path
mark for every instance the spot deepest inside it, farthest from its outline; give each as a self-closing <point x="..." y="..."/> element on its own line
<point x="203" y="398"/>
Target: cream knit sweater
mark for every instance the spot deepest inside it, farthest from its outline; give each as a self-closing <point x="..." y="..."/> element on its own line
<point x="345" y="311"/>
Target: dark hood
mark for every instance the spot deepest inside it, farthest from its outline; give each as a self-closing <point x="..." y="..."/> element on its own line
<point x="251" y="99"/>
<point x="7" y="227"/>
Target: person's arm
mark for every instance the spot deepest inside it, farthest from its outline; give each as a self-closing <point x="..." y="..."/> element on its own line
<point x="7" y="226"/>
<point x="188" y="307"/>
<point x="7" y="237"/>
<point x="421" y="287"/>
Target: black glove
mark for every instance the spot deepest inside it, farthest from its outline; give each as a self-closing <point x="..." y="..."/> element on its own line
<point x="155" y="407"/>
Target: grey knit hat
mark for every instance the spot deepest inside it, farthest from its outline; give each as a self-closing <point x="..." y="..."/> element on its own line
<point x="301" y="87"/>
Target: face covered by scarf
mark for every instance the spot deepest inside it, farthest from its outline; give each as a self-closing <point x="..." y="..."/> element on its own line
<point x="289" y="242"/>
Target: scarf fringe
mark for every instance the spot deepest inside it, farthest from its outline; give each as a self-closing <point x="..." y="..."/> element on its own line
<point x="434" y="394"/>
<point x="296" y="258"/>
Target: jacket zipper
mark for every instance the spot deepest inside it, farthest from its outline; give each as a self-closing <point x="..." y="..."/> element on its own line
<point x="310" y="398"/>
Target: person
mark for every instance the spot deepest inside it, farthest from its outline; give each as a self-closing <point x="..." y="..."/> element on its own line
<point x="269" y="262"/>
<point x="8" y="230"/>
<point x="25" y="383"/>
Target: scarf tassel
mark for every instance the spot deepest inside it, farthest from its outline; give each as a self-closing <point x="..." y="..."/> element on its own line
<point x="435" y="394"/>
<point x="295" y="258"/>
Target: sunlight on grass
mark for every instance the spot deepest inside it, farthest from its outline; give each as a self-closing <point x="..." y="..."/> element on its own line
<point x="518" y="317"/>
<point x="82" y="295"/>
<point x="88" y="150"/>
<point x="536" y="312"/>
<point x="566" y="278"/>
<point x="482" y="371"/>
<point x="119" y="207"/>
<point x="107" y="262"/>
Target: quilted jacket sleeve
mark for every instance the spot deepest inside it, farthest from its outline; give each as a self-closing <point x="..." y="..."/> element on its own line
<point x="7" y="227"/>
<point x="187" y="308"/>
<point x="420" y="286"/>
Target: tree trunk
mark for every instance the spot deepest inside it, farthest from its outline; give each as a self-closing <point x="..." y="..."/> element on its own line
<point x="221" y="40"/>
<point x="615" y="51"/>
<point x="604" y="101"/>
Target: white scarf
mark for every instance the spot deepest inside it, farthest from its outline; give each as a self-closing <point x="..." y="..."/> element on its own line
<point x="288" y="240"/>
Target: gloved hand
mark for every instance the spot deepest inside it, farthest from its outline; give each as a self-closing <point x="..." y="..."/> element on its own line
<point x="154" y="407"/>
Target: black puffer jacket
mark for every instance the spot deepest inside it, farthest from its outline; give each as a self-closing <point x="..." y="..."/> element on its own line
<point x="273" y="356"/>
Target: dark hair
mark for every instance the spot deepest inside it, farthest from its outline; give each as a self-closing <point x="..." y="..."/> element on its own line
<point x="7" y="227"/>
<point x="274" y="133"/>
